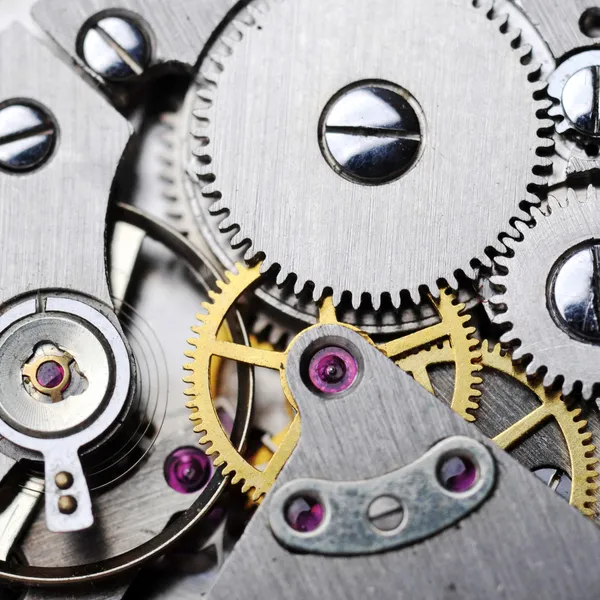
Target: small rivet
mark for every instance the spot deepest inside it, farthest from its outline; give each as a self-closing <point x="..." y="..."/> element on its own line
<point x="63" y="480"/>
<point x="67" y="505"/>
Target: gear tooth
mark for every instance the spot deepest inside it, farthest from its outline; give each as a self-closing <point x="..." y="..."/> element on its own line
<point x="250" y="255"/>
<point x="226" y="224"/>
<point x="554" y="110"/>
<point x="257" y="495"/>
<point x="587" y="390"/>
<point x="238" y="240"/>
<point x="281" y="278"/>
<point x="298" y="287"/>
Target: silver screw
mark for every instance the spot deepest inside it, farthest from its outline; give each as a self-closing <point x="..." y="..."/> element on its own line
<point x="556" y="479"/>
<point x="581" y="100"/>
<point x="371" y="133"/>
<point x="116" y="48"/>
<point x="386" y="513"/>
<point x="27" y="136"/>
<point x="575" y="293"/>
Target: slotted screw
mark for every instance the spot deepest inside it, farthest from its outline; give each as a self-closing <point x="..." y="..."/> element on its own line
<point x="27" y="136"/>
<point x="581" y="100"/>
<point x="386" y="513"/>
<point x="115" y="47"/>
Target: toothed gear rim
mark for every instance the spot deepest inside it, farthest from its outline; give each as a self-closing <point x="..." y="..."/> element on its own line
<point x="481" y="140"/>
<point x="573" y="219"/>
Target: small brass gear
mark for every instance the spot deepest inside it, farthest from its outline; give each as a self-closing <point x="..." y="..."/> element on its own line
<point x="573" y="427"/>
<point x="209" y="344"/>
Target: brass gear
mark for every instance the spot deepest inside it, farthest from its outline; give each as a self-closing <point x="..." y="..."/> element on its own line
<point x="208" y="344"/>
<point x="572" y="426"/>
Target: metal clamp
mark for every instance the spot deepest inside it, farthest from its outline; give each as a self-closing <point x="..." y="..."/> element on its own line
<point x="349" y="528"/>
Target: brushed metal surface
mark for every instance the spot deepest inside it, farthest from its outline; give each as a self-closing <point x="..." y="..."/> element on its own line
<point x="558" y="22"/>
<point x="53" y="220"/>
<point x="518" y="545"/>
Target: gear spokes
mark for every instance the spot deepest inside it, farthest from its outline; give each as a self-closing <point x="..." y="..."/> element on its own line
<point x="551" y="407"/>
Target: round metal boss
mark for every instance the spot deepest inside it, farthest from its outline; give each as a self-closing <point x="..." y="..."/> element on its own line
<point x="371" y="132"/>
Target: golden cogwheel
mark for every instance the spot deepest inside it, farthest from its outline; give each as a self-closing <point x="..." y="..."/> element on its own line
<point x="209" y="344"/>
<point x="552" y="406"/>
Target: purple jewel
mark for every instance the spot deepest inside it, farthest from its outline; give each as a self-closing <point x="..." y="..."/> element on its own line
<point x="332" y="370"/>
<point x="187" y="470"/>
<point x="304" y="514"/>
<point x="458" y="474"/>
<point x="50" y="374"/>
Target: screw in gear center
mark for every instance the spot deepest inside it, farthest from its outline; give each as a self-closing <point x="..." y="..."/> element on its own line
<point x="290" y="198"/>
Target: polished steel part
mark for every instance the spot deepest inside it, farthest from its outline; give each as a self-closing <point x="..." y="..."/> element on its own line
<point x="556" y="479"/>
<point x="574" y="87"/>
<point x="428" y="508"/>
<point x="370" y="132"/>
<point x="575" y="293"/>
<point x="387" y="420"/>
<point x="282" y="195"/>
<point x="53" y="225"/>
<point x="526" y="300"/>
<point x="115" y="47"/>
<point x="27" y="136"/>
<point x="59" y="430"/>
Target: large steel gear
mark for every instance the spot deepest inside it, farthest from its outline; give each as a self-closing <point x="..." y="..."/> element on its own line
<point x="553" y="327"/>
<point x="282" y="69"/>
<point x="578" y="439"/>
<point x="279" y="313"/>
<point x="208" y="344"/>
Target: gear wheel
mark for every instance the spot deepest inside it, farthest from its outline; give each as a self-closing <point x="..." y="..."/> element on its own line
<point x="573" y="427"/>
<point x="274" y="78"/>
<point x="279" y="313"/>
<point x="207" y="345"/>
<point x="549" y="292"/>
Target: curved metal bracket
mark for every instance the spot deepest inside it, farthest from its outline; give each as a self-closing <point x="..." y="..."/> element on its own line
<point x="427" y="506"/>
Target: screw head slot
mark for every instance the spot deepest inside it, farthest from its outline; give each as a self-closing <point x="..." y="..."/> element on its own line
<point x="371" y="132"/>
